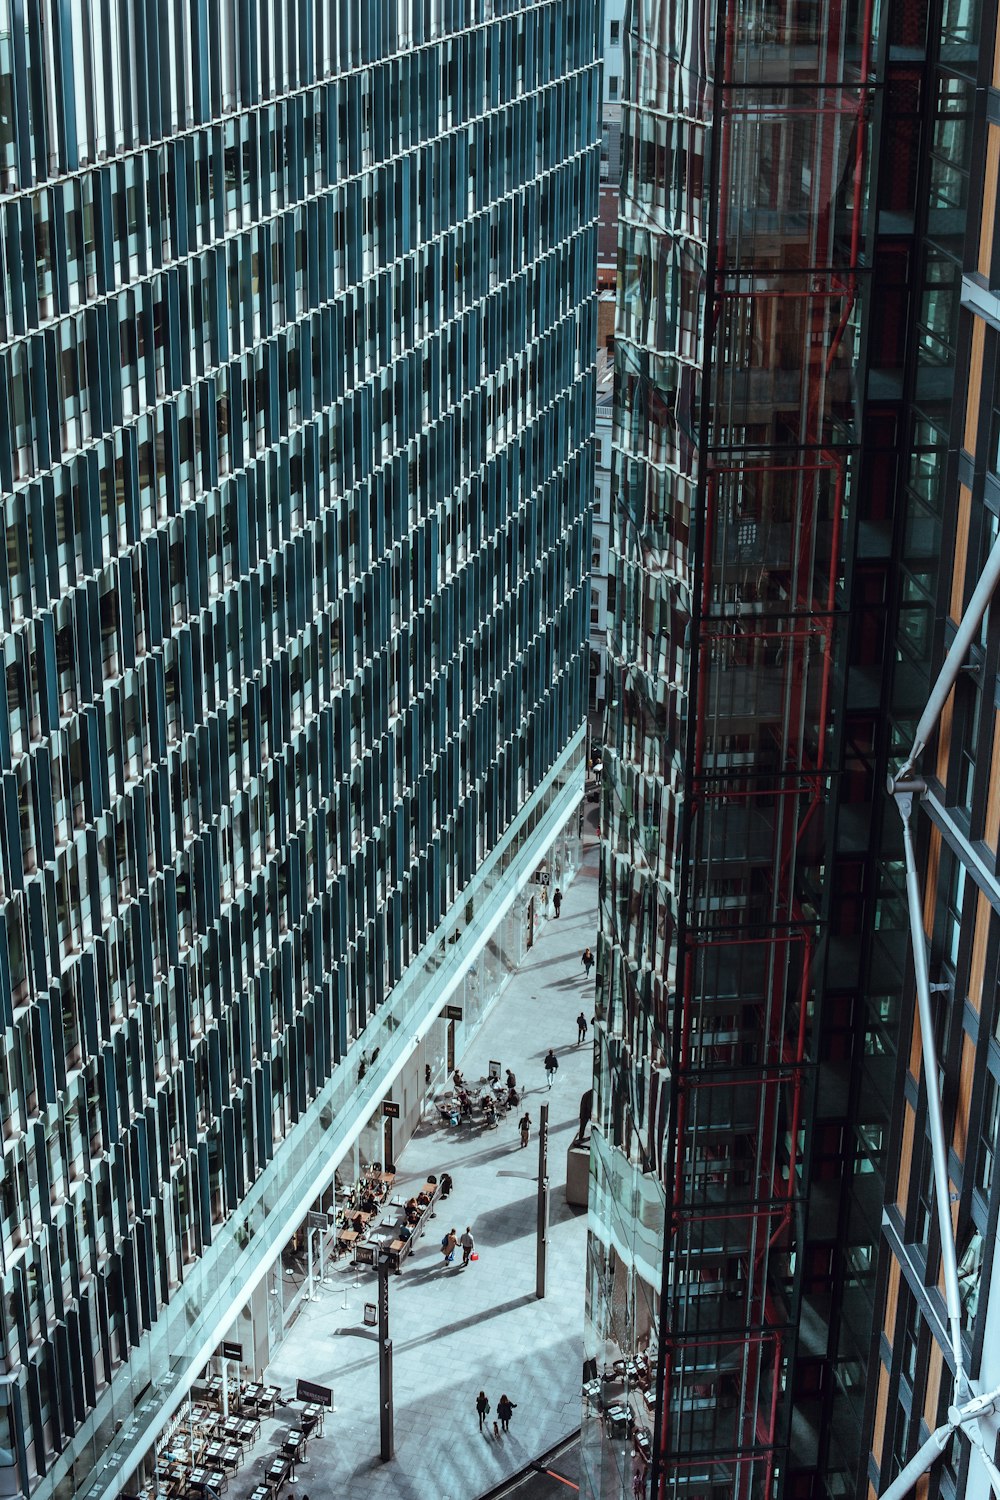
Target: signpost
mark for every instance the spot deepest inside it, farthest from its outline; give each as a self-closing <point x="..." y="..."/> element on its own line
<point x="453" y="1012"/>
<point x="390" y="1109"/>
<point x="320" y="1395"/>
<point x="229" y="1351"/>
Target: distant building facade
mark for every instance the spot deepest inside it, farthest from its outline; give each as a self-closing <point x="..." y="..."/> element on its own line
<point x="600" y="580"/>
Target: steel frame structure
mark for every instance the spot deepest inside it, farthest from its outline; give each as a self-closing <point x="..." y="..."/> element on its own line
<point x="773" y="483"/>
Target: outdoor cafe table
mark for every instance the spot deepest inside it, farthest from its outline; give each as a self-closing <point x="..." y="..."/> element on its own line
<point x="294" y="1446"/>
<point x="211" y="1477"/>
<point x="263" y="1396"/>
<point x="224" y="1455"/>
<point x="312" y="1418"/>
<point x="276" y="1470"/>
<point x="242" y="1430"/>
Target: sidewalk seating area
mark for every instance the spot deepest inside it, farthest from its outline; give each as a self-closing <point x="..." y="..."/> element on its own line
<point x="484" y="1104"/>
<point x="456" y="1329"/>
<point x="207" y="1452"/>
<point x="371" y="1221"/>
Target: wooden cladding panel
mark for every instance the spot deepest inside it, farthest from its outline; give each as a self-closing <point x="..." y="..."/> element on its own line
<point x="980" y="940"/>
<point x="971" y="427"/>
<point x="944" y="739"/>
<point x="963" y="1105"/>
<point x="882" y="1403"/>
<point x="905" y="1163"/>
<point x="935" y="1367"/>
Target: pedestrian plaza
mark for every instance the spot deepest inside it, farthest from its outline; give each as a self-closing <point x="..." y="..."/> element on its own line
<point x="457" y="1330"/>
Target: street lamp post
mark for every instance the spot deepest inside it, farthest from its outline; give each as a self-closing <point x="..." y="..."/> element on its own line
<point x="541" y="1247"/>
<point x="384" y="1362"/>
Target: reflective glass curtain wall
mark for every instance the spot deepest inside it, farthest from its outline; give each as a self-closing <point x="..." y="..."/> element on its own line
<point x="744" y="216"/>
<point x="296" y="391"/>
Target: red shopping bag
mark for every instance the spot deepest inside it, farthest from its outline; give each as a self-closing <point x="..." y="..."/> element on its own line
<point x="474" y="1255"/>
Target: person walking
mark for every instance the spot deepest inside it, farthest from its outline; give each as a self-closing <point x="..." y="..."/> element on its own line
<point x="557" y="900"/>
<point x="551" y="1065"/>
<point x="587" y="959"/>
<point x="511" y="1079"/>
<point x="448" y="1245"/>
<point x="483" y="1408"/>
<point x="468" y="1245"/>
<point x="505" y="1410"/>
<point x="524" y="1125"/>
<point x="581" y="1028"/>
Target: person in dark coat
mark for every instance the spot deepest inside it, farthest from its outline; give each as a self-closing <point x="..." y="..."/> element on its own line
<point x="587" y="959"/>
<point x="483" y="1408"/>
<point x="551" y="1065"/>
<point x="581" y="1028"/>
<point x="505" y="1410"/>
<point x="557" y="900"/>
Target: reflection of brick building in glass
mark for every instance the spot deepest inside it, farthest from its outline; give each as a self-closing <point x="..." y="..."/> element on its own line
<point x="798" y="505"/>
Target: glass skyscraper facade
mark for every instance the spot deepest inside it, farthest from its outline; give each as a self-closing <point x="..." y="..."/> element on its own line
<point x="297" y="336"/>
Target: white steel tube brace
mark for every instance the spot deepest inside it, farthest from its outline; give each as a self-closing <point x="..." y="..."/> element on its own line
<point x="955" y="660"/>
<point x="964" y="1413"/>
<point x="935" y="1121"/>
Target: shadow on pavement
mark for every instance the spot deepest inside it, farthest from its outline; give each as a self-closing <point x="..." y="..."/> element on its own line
<point x="442" y="1332"/>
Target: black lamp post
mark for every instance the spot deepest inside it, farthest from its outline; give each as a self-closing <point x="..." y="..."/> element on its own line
<point x="542" y="1241"/>
<point x="384" y="1361"/>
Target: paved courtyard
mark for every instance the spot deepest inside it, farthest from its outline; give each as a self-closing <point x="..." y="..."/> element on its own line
<point x="457" y="1331"/>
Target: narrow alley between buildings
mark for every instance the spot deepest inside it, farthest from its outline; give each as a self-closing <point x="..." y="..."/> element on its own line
<point x="456" y="1330"/>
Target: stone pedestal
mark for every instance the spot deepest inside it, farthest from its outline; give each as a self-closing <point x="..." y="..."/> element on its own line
<point x="577" y="1175"/>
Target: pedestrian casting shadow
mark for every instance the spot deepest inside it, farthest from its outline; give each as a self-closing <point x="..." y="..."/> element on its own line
<point x="432" y="1334"/>
<point x="555" y="1127"/>
<point x="503" y="1146"/>
<point x="543" y="963"/>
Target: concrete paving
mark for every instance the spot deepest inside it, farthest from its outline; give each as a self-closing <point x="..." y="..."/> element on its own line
<point x="457" y="1331"/>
